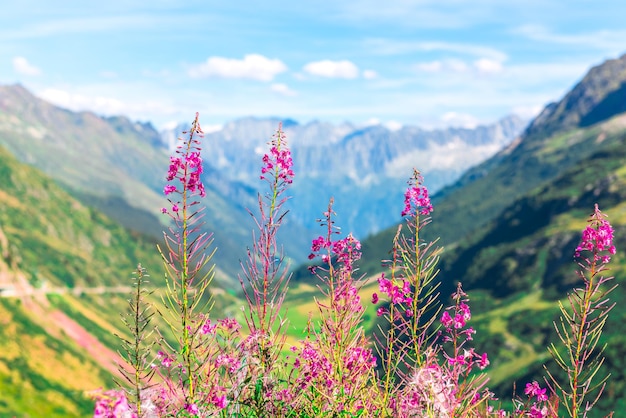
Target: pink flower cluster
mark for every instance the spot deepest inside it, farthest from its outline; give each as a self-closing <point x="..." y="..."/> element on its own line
<point x="539" y="399"/>
<point x="218" y="397"/>
<point x="113" y="404"/>
<point x="347" y="250"/>
<point x="229" y="324"/>
<point x="398" y="293"/>
<point x="454" y="324"/>
<point x="188" y="170"/>
<point x="231" y="363"/>
<point x="166" y="360"/>
<point x="279" y="161"/>
<point x="534" y="390"/>
<point x="461" y="317"/>
<point x="316" y="370"/>
<point x="470" y="358"/>
<point x="313" y="366"/>
<point x="192" y="409"/>
<point x="208" y="327"/>
<point x="597" y="237"/>
<point x="359" y="360"/>
<point x="416" y="197"/>
<point x="347" y="299"/>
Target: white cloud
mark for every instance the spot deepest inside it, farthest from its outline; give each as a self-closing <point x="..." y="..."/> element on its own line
<point x="603" y="40"/>
<point x="208" y="129"/>
<point x="457" y="66"/>
<point x="488" y="66"/>
<point x="527" y="112"/>
<point x="104" y="105"/>
<point x="332" y="69"/>
<point x="429" y="67"/>
<point x="283" y="89"/>
<point x="400" y="47"/>
<point x="393" y="125"/>
<point x="463" y="120"/>
<point x="252" y="66"/>
<point x="23" y="67"/>
<point x="481" y="66"/>
<point x="372" y="122"/>
<point x="369" y="74"/>
<point x="449" y="65"/>
<point x="79" y="102"/>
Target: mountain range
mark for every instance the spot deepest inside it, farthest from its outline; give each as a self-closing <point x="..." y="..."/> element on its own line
<point x="363" y="168"/>
<point x="118" y="167"/>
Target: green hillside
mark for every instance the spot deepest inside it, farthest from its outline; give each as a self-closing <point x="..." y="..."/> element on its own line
<point x="522" y="262"/>
<point x="56" y="337"/>
<point x="510" y="227"/>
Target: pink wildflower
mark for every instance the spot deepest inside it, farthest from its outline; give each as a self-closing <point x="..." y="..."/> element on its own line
<point x="597" y="237"/>
<point x="446" y="319"/>
<point x="166" y="360"/>
<point x="279" y="162"/>
<point x="417" y="196"/>
<point x="113" y="404"/>
<point x="169" y="188"/>
<point x="192" y="409"/>
<point x="374" y="298"/>
<point x="533" y="389"/>
<point x="208" y="328"/>
<point x="230" y="324"/>
<point x="220" y="401"/>
<point x="483" y="362"/>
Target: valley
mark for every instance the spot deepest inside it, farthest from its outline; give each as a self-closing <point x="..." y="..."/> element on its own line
<point x="81" y="197"/>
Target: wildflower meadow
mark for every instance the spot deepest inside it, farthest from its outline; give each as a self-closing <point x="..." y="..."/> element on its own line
<point x="419" y="362"/>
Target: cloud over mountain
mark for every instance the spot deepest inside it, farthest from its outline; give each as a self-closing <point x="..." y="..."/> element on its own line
<point x="23" y="67"/>
<point x="252" y="66"/>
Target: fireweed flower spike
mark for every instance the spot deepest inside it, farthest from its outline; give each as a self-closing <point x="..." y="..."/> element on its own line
<point x="336" y="367"/>
<point x="411" y="304"/>
<point x="582" y="322"/>
<point x="264" y="272"/>
<point x="264" y="283"/>
<point x="136" y="351"/>
<point x="425" y="373"/>
<point x="416" y="199"/>
<point x="186" y="258"/>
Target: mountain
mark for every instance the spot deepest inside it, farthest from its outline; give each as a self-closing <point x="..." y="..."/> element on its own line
<point x="484" y="190"/>
<point x="511" y="224"/>
<point x="119" y="167"/>
<point x="526" y="251"/>
<point x="65" y="272"/>
<point x="363" y="168"/>
<point x="599" y="96"/>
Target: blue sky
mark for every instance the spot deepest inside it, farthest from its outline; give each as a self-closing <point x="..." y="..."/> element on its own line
<point x="420" y="62"/>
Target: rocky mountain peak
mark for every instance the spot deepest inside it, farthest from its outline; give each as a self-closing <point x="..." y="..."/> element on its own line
<point x="599" y="95"/>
